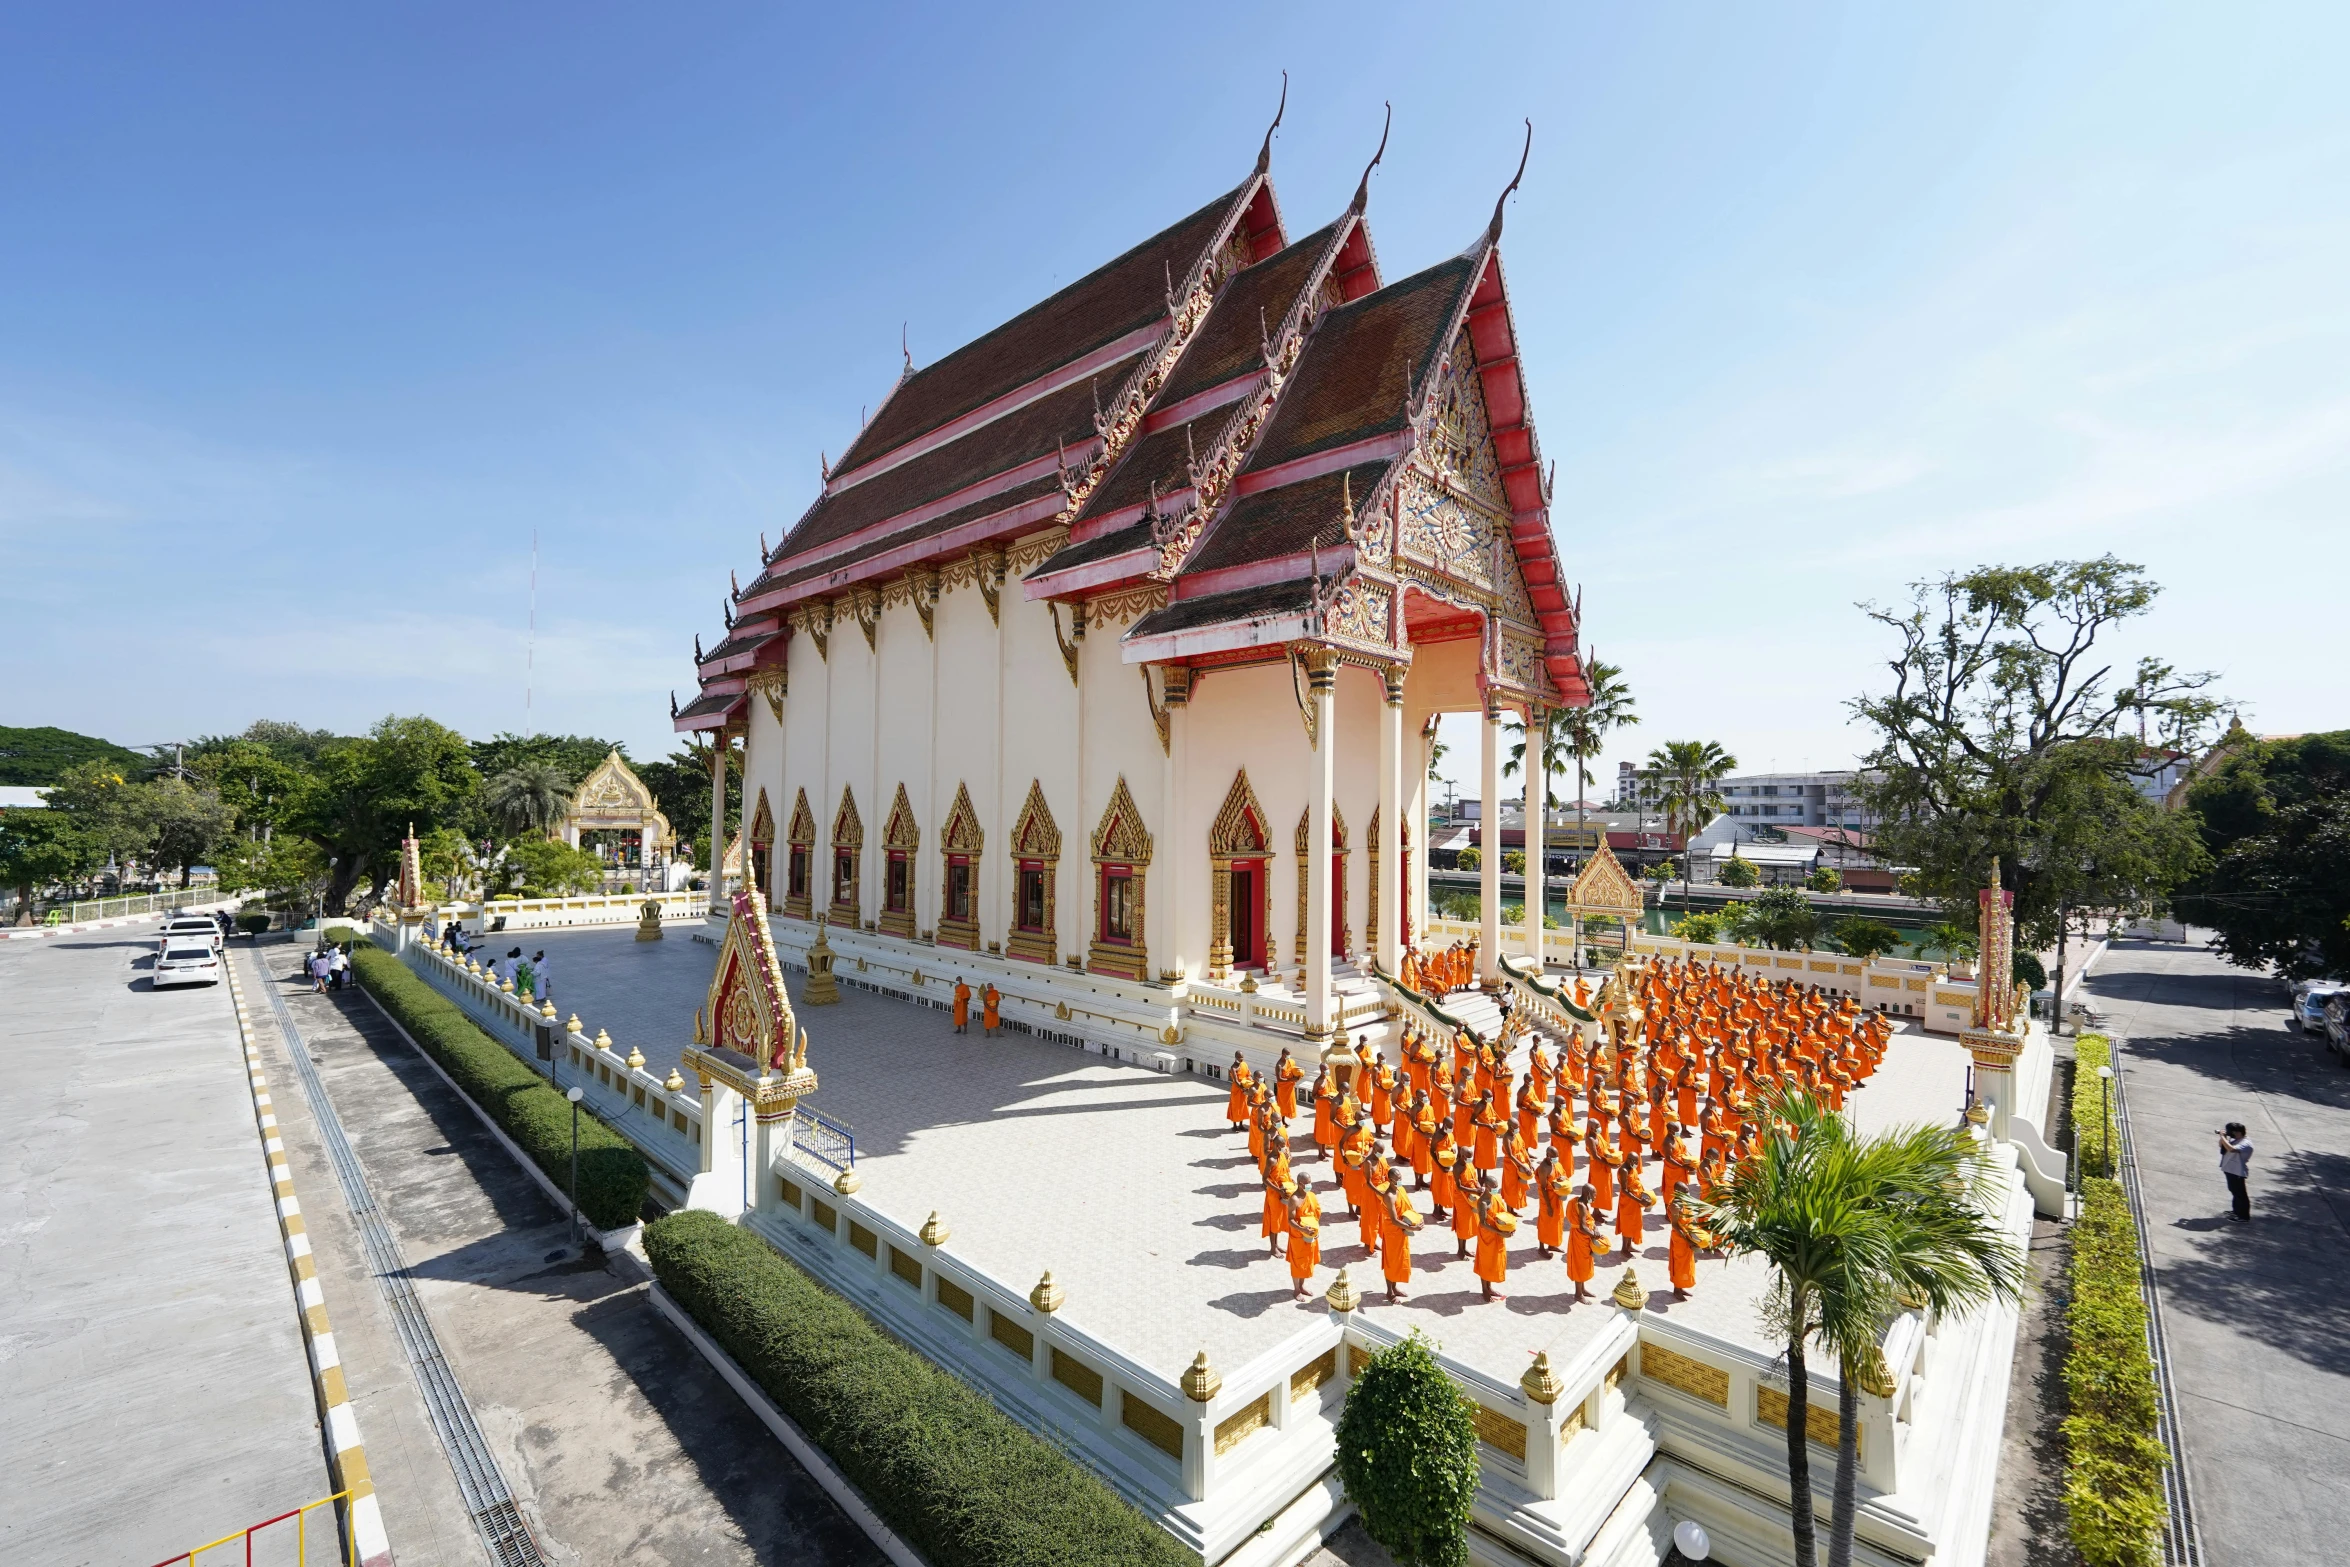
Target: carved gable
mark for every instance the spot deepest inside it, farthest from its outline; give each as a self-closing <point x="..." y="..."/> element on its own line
<point x="901" y="831"/>
<point x="748" y="1011"/>
<point x="962" y="833"/>
<point x="1034" y="837"/>
<point x="848" y="829"/>
<point x="1120" y="838"/>
<point x="763" y="822"/>
<point x="803" y="822"/>
<point x="1240" y="826"/>
<point x="1604" y="887"/>
<point x="1337" y="828"/>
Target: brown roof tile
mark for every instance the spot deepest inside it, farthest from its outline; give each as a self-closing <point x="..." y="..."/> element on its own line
<point x="1360" y="361"/>
<point x="1250" y="308"/>
<point x="1098" y="308"/>
<point x="1216" y="609"/>
<point x="1275" y="523"/>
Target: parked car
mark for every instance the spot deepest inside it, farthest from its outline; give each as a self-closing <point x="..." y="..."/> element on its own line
<point x="187" y="960"/>
<point x="2337" y="1025"/>
<point x="189" y="927"/>
<point x="2309" y="1003"/>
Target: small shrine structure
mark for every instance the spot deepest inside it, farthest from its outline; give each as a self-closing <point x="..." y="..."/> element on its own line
<point x="1604" y="888"/>
<point x="751" y="1057"/>
<point x="1998" y="1033"/>
<point x="614" y="813"/>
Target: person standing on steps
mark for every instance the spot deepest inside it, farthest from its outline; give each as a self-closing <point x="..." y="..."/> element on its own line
<point x="2235" y="1162"/>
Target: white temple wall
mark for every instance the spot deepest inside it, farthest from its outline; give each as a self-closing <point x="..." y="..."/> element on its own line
<point x="1041" y="739"/>
<point x="763" y="748"/>
<point x="849" y="761"/>
<point x="1121" y="739"/>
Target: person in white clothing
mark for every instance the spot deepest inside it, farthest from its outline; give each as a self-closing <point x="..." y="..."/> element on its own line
<point x="2235" y="1163"/>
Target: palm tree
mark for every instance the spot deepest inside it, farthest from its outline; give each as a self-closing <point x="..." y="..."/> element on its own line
<point x="1689" y="791"/>
<point x="529" y="798"/>
<point x="1854" y="1227"/>
<point x="1582" y="731"/>
<point x="1948" y="938"/>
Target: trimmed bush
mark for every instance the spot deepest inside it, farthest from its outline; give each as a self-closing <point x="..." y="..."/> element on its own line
<point x="2091" y="1107"/>
<point x="1738" y="871"/>
<point x="612" y="1174"/>
<point x="1407" y="1451"/>
<point x="2114" y="1459"/>
<point x="954" y="1476"/>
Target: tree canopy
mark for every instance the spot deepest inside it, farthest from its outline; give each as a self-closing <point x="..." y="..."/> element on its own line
<point x="30" y="758"/>
<point x="2274" y="818"/>
<point x="365" y="794"/>
<point x="2003" y="736"/>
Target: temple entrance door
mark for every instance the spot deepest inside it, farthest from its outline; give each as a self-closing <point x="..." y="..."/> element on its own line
<point x="1338" y="906"/>
<point x="1247" y="914"/>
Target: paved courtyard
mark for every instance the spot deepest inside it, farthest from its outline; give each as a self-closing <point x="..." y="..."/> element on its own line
<point x="2257" y="1315"/>
<point x="158" y="1391"/>
<point x="1129" y="1186"/>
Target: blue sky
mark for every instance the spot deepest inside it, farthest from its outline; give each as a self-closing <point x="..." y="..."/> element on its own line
<point x="307" y="320"/>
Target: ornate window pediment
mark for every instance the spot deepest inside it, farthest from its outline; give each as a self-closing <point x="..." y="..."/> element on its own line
<point x="1036" y="853"/>
<point x="1121" y="854"/>
<point x="960" y="842"/>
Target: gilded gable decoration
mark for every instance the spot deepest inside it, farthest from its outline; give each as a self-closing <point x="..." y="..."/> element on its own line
<point x="1159" y="718"/>
<point x="988" y="562"/>
<point x="1457" y="435"/>
<point x="802" y="827"/>
<point x="901" y="831"/>
<point x="748" y="1016"/>
<point x="1034" y="837"/>
<point x="1602" y="886"/>
<point x="922" y="582"/>
<point x="763" y="821"/>
<point x="1121" y="856"/>
<point x="814" y="619"/>
<point x="612" y="798"/>
<point x="962" y="833"/>
<point x="800" y="870"/>
<point x="1240" y="825"/>
<point x="1072" y="644"/>
<point x="848" y="829"/>
<point x="865" y="604"/>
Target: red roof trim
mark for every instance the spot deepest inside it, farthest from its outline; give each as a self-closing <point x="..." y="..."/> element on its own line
<point x="930" y="546"/>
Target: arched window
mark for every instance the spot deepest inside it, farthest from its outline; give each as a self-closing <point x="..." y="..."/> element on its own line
<point x="1239" y="858"/>
<point x="901" y="836"/>
<point x="1340" y="937"/>
<point x="763" y="847"/>
<point x="960" y="843"/>
<point x="799" y="861"/>
<point x="1121" y="856"/>
<point x="1036" y="858"/>
<point x="848" y="848"/>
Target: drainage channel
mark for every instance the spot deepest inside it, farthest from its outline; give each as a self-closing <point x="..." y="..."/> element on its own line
<point x="479" y="1480"/>
<point x="2182" y="1543"/>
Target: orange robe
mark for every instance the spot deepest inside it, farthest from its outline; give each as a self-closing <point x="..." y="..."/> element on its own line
<point x="1631" y="1209"/>
<point x="991" y="1005"/>
<point x="1683" y="1265"/>
<point x="1495" y="1225"/>
<point x="1550" y="1212"/>
<point x="1285" y="1080"/>
<point x="1443" y="1190"/>
<point x="1395" y="1246"/>
<point x="1305" y="1235"/>
<point x="1579" y="1232"/>
<point x="1236" y="1105"/>
<point x="962" y="1005"/>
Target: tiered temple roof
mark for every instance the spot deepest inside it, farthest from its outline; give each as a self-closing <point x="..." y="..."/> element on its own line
<point x="1215" y="416"/>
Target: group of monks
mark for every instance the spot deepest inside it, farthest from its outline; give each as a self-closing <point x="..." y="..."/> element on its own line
<point x="1485" y="1128"/>
<point x="991" y="1009"/>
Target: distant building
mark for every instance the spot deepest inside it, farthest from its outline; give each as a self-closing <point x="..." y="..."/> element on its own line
<point x="1825" y="799"/>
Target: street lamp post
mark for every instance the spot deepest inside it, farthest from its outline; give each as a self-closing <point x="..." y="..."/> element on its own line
<point x="573" y="1094"/>
<point x="2105" y="1098"/>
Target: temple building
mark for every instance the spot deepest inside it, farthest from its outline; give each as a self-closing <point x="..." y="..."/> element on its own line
<point x="1109" y="654"/>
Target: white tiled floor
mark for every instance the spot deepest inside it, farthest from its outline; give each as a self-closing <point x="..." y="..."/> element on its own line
<point x="1127" y="1184"/>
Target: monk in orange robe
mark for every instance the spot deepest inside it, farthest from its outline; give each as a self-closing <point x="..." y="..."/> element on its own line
<point x="1236" y="1104"/>
<point x="1679" y="1168"/>
<point x="1376" y="1171"/>
<point x="1286" y="1073"/>
<point x="1495" y="1225"/>
<point x="1443" y="1192"/>
<point x="1550" y="1202"/>
<point x="1632" y="1205"/>
<point x="1517" y="1171"/>
<point x="1490" y="1120"/>
<point x="1688" y="1240"/>
<point x="1382" y="1091"/>
<point x="962" y="1005"/>
<point x="991" y="1011"/>
<point x="1424" y="1124"/>
<point x="1353" y="1153"/>
<point x="1395" y="1245"/>
<point x="1529" y="1113"/>
<point x="1583" y="1240"/>
<point x="1325" y="1097"/>
<point x="1305" y="1236"/>
<point x="1606" y="1160"/>
<point x="1466" y="1203"/>
<point x="1276" y="1219"/>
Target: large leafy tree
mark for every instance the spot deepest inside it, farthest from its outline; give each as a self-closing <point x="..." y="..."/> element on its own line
<point x="2005" y="735"/>
<point x="1853" y="1228"/>
<point x="107" y="808"/>
<point x="185" y="824"/>
<point x="255" y="778"/>
<point x="365" y="793"/>
<point x="1689" y="776"/>
<point x="41" y="848"/>
<point x="571" y="756"/>
<point x="1778" y="917"/>
<point x="2274" y="816"/>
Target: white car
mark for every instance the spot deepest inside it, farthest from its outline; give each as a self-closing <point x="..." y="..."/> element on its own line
<point x="189" y="927"/>
<point x="187" y="960"/>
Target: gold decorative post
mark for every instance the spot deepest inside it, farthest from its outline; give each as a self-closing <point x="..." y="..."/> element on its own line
<point x="748" y="1049"/>
<point x="1996" y="1036"/>
<point x="822" y="990"/>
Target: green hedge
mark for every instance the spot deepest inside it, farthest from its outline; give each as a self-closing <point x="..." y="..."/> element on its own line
<point x="2114" y="1459"/>
<point x="954" y="1476"/>
<point x="612" y="1174"/>
<point x="2091" y="1107"/>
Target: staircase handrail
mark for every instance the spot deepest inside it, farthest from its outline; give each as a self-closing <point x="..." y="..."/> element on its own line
<point x="1541" y="993"/>
<point x="1423" y="1006"/>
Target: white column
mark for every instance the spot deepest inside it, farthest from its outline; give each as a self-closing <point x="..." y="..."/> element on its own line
<point x="1537" y="763"/>
<point x="1389" y="892"/>
<point x="1416" y="791"/>
<point x="1322" y="679"/>
<point x="1489" y="855"/>
<point x="718" y="744"/>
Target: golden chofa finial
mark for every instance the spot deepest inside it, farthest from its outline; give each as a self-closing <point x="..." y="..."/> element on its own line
<point x="1994" y="873"/>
